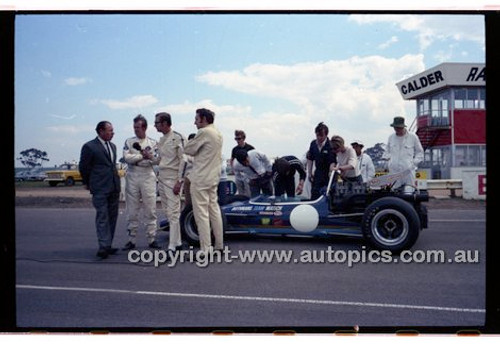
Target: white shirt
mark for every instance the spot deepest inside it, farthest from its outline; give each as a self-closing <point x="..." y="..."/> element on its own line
<point x="348" y="157"/>
<point x="366" y="167"/>
<point x="259" y="162"/>
<point x="107" y="147"/>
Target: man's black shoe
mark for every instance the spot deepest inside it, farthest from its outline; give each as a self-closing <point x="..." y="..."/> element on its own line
<point x="128" y="246"/>
<point x="111" y="250"/>
<point x="154" y="245"/>
<point x="102" y="253"/>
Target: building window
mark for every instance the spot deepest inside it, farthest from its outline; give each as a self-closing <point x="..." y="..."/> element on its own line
<point x="436" y="156"/>
<point x="483" y="155"/>
<point x="423" y="107"/>
<point x="482" y="98"/>
<point x="470" y="155"/>
<point x="470" y="102"/>
<point x="460" y="156"/>
<point x="470" y="98"/>
<point x="440" y="109"/>
<point x="473" y="155"/>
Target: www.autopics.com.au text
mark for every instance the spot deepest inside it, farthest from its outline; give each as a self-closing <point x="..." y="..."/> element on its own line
<point x="329" y="255"/>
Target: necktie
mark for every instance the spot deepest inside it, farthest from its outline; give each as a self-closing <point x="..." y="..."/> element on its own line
<point x="109" y="151"/>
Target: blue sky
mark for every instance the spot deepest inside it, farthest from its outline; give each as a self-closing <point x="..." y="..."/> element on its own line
<point x="274" y="76"/>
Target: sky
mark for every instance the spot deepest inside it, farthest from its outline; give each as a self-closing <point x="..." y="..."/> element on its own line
<point x="275" y="76"/>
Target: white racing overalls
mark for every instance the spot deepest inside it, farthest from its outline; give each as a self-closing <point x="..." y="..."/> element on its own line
<point x="140" y="188"/>
<point x="404" y="152"/>
<point x="171" y="170"/>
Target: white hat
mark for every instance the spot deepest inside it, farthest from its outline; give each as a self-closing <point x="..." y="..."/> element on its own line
<point x="359" y="142"/>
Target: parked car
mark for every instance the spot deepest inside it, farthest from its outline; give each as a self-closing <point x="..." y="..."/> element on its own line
<point x="21" y="176"/>
<point x="36" y="175"/>
<point x="66" y="173"/>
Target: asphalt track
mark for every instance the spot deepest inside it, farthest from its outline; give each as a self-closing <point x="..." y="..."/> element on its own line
<point x="61" y="284"/>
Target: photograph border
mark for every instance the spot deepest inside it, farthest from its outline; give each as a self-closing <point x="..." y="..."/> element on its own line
<point x="8" y="251"/>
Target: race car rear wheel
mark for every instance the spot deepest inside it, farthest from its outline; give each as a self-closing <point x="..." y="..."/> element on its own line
<point x="189" y="229"/>
<point x="391" y="224"/>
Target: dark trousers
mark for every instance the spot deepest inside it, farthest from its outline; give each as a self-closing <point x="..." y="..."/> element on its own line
<point x="320" y="181"/>
<point x="263" y="184"/>
<point x="285" y="185"/>
<point x="106" y="206"/>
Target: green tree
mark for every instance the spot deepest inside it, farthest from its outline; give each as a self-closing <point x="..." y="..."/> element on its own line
<point x="33" y="157"/>
<point x="376" y="153"/>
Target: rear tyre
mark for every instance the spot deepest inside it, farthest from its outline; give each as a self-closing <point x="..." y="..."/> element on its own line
<point x="391" y="223"/>
<point x="189" y="229"/>
<point x="69" y="181"/>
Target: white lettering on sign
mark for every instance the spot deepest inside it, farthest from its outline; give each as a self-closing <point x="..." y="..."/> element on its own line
<point x="422" y="82"/>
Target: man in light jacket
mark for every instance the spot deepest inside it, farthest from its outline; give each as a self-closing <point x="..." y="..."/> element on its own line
<point x="404" y="152"/>
<point x="206" y="149"/>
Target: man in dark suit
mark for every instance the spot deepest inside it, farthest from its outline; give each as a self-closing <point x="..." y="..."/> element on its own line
<point x="99" y="174"/>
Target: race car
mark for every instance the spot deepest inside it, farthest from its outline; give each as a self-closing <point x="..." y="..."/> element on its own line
<point x="387" y="218"/>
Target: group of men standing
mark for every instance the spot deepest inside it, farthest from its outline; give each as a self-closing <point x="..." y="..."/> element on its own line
<point x="141" y="153"/>
<point x="254" y="174"/>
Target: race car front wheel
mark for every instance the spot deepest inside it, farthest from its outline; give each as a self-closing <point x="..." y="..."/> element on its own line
<point x="391" y="223"/>
<point x="189" y="229"/>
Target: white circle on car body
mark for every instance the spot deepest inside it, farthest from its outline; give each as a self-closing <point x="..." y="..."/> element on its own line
<point x="304" y="218"/>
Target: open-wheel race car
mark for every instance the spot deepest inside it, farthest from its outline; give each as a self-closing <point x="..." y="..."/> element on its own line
<point x="387" y="218"/>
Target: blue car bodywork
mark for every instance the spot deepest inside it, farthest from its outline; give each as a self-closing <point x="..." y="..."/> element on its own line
<point x="388" y="219"/>
<point x="270" y="215"/>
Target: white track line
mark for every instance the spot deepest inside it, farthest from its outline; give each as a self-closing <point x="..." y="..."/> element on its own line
<point x="255" y="298"/>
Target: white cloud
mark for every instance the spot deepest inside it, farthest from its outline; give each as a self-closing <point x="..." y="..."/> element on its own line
<point x="387" y="44"/>
<point x="430" y="28"/>
<point x="71" y="117"/>
<point x="70" y="129"/>
<point x="337" y="88"/>
<point x="46" y="74"/>
<point x="75" y="81"/>
<point x="132" y="102"/>
<point x="356" y="98"/>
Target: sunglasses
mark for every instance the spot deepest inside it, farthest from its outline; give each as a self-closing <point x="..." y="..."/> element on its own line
<point x="238" y="139"/>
